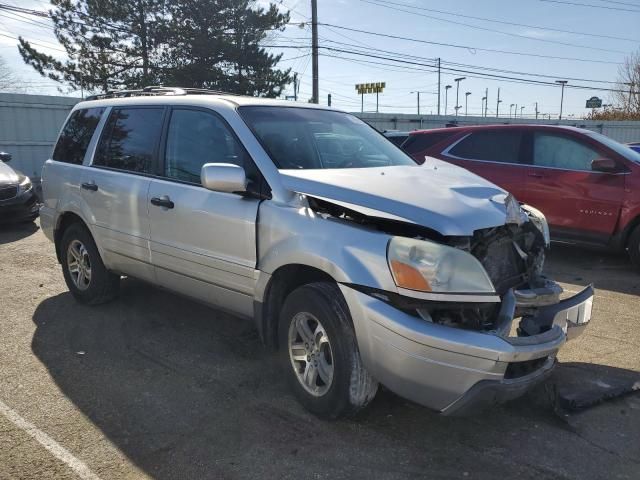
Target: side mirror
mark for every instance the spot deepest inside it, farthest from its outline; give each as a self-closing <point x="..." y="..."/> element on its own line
<point x="606" y="165"/>
<point x="5" y="157"/>
<point x="223" y="177"/>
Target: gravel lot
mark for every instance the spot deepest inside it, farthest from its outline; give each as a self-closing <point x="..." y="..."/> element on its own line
<point x="157" y="386"/>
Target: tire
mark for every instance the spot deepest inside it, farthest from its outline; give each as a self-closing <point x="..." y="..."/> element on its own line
<point x="102" y="285"/>
<point x="350" y="387"/>
<point x="633" y="245"/>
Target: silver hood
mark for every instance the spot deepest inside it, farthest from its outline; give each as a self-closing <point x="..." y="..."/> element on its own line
<point x="437" y="195"/>
<point x="8" y="174"/>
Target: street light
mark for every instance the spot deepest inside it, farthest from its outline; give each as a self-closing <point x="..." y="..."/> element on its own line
<point x="510" y="107"/>
<point x="446" y="97"/>
<point x="418" y="94"/>
<point x="466" y="103"/>
<point x="458" y="80"/>
<point x="521" y="109"/>
<point x="483" y="112"/>
<point x="563" y="83"/>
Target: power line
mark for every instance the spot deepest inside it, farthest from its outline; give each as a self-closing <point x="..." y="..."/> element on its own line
<point x="467" y="25"/>
<point x="591" y="5"/>
<point x="503" y="22"/>
<point x="497" y="70"/>
<point x="467" y="47"/>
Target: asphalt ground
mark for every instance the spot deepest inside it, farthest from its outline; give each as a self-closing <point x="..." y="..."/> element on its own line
<point x="154" y="385"/>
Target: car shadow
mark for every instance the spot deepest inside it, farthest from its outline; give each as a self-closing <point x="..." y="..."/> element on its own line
<point x="185" y="391"/>
<point x="582" y="266"/>
<point x="12" y="232"/>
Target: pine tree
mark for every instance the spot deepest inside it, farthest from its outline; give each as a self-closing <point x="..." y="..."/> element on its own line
<point x="135" y="43"/>
<point x="216" y="44"/>
<point x="109" y="43"/>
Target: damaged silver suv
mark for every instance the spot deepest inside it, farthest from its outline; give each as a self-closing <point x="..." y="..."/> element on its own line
<point x="358" y="265"/>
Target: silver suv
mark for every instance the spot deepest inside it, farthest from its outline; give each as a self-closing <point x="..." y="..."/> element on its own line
<point x="358" y="265"/>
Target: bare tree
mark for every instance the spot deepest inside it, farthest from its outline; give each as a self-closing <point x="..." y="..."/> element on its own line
<point x="8" y="80"/>
<point x="627" y="98"/>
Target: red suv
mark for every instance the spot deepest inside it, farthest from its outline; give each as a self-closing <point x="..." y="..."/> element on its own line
<point x="586" y="184"/>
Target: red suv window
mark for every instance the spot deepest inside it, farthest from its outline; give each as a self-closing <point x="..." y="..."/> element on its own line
<point x="423" y="141"/>
<point x="491" y="145"/>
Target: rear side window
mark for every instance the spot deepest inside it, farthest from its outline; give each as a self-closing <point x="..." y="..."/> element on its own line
<point x="130" y="139"/>
<point x="494" y="146"/>
<point x="423" y="141"/>
<point x="76" y="135"/>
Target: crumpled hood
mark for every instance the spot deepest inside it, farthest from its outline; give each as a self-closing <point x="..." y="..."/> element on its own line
<point x="437" y="195"/>
<point x="7" y="174"/>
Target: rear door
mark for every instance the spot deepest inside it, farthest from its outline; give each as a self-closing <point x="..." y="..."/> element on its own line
<point x="496" y="155"/>
<point x="116" y="185"/>
<point x="579" y="203"/>
<point x="203" y="243"/>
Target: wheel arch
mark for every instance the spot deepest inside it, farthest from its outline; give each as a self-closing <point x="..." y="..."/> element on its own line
<point x="279" y="285"/>
<point x="65" y="220"/>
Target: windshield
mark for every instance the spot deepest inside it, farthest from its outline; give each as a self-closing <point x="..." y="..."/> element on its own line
<point x="619" y="148"/>
<point x="304" y="138"/>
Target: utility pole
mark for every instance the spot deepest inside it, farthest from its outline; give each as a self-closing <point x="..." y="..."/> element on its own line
<point x="482" y="107"/>
<point x="498" y="102"/>
<point x="458" y="80"/>
<point x="486" y="101"/>
<point x="329" y="100"/>
<point x="521" y="109"/>
<point x="510" y="108"/>
<point x="563" y="83"/>
<point x="295" y="87"/>
<point x="515" y="111"/>
<point x="466" y="104"/>
<point x="418" y="94"/>
<point x="446" y="97"/>
<point x="314" y="50"/>
<point x="438" y="87"/>
<point x="536" y="110"/>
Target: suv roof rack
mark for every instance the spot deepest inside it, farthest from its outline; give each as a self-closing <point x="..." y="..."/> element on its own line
<point x="155" y="91"/>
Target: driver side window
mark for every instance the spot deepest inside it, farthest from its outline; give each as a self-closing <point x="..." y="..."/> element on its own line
<point x="556" y="151"/>
<point x="194" y="138"/>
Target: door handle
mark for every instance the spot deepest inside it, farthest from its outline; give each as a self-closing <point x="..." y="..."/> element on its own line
<point x="535" y="175"/>
<point x="89" y="186"/>
<point x="163" y="201"/>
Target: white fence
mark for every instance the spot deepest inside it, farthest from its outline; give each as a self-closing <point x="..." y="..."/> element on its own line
<point x="29" y="126"/>
<point x="623" y="132"/>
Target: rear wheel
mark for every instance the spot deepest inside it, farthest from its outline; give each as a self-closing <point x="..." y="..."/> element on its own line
<point x="633" y="245"/>
<point x="86" y="276"/>
<point x="318" y="349"/>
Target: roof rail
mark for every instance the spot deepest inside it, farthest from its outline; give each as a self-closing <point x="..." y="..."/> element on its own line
<point x="156" y="91"/>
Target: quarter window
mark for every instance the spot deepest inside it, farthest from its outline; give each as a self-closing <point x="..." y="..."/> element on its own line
<point x="130" y="139"/>
<point x="76" y="135"/>
<point x="494" y="146"/>
<point x="195" y="138"/>
<point x="558" y="151"/>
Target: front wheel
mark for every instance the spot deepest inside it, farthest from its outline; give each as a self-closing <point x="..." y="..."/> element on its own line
<point x="319" y="351"/>
<point x="86" y="276"/>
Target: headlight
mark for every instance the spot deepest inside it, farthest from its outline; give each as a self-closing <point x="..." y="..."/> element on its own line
<point x="540" y="221"/>
<point x="430" y="267"/>
<point x="24" y="186"/>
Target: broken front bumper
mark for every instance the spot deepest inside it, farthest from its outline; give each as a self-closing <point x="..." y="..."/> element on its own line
<point x="455" y="371"/>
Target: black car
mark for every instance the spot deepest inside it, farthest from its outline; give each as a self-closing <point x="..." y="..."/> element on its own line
<point x="18" y="200"/>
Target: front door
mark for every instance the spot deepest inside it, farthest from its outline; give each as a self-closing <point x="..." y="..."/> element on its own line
<point x="580" y="204"/>
<point x="115" y="188"/>
<point x="203" y="243"/>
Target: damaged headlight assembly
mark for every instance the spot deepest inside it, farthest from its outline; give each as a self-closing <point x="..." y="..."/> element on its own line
<point x="425" y="266"/>
<point x="540" y="221"/>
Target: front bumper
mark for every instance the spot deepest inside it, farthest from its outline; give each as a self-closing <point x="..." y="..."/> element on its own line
<point x="20" y="208"/>
<point x="456" y="371"/>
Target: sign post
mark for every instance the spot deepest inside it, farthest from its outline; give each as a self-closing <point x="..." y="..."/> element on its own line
<point x="376" y="88"/>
